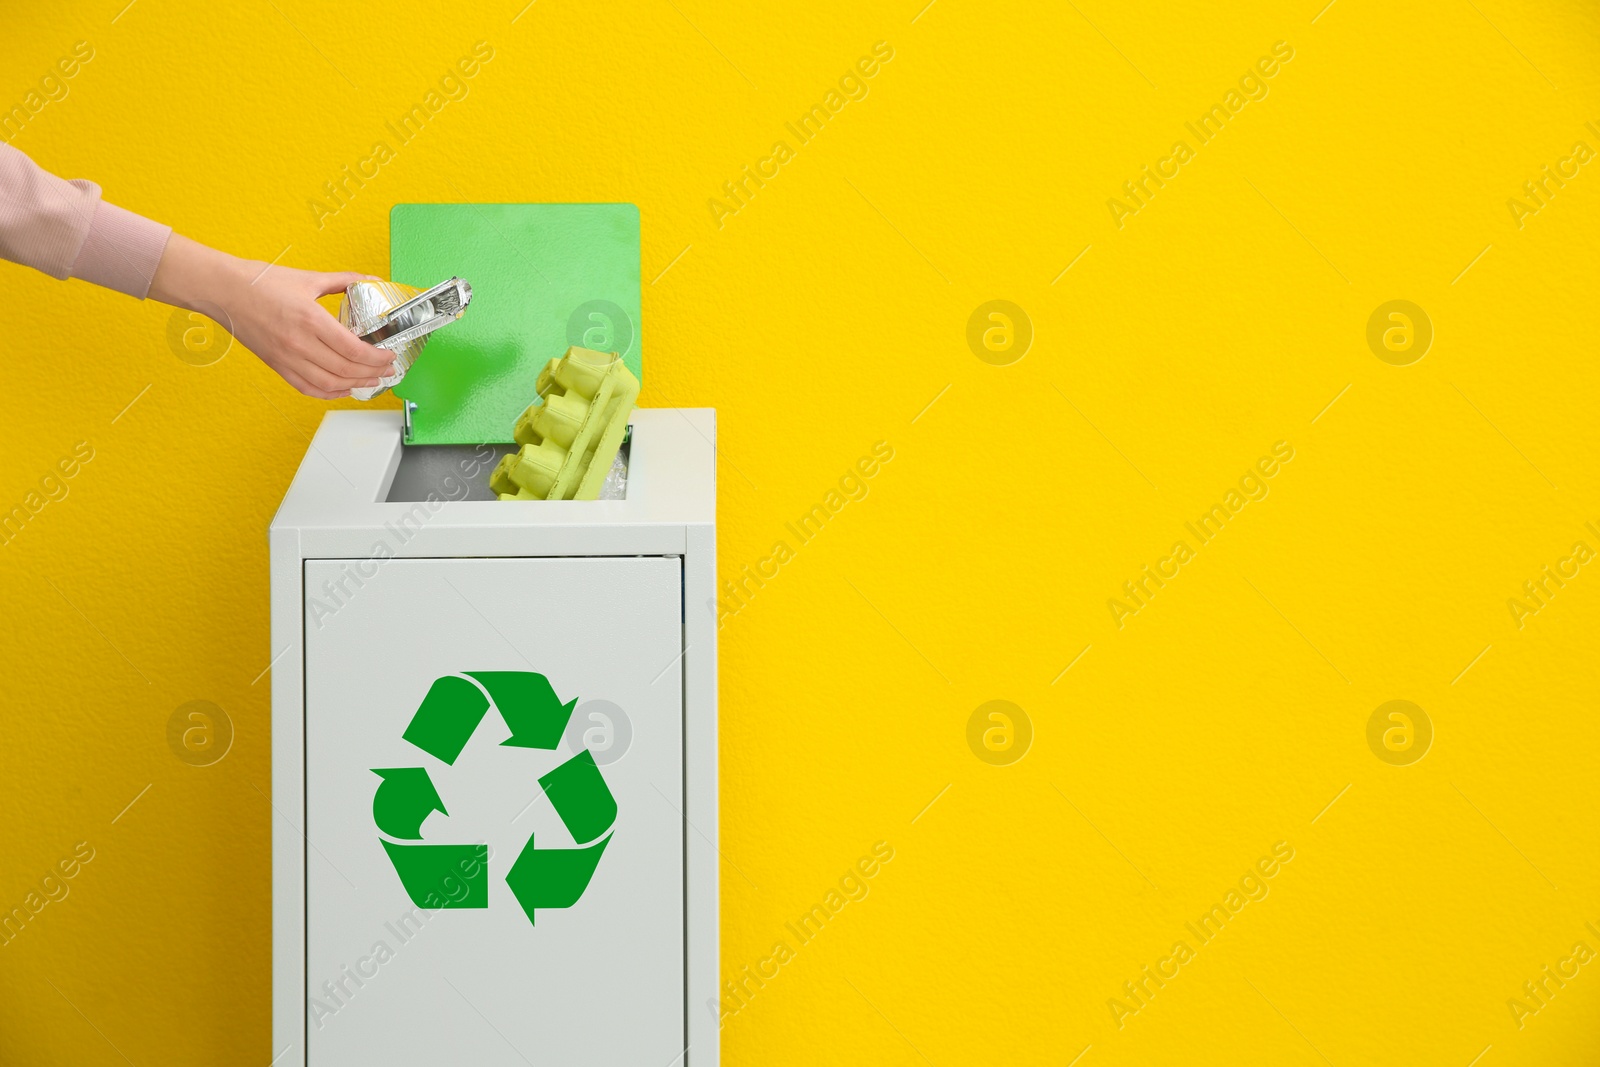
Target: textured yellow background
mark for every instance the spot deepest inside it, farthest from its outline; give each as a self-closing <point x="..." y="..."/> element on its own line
<point x="822" y="317"/>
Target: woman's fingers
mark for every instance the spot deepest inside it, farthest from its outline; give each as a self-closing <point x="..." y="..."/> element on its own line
<point x="338" y="281"/>
<point x="318" y="369"/>
<point x="307" y="388"/>
<point x="348" y="371"/>
<point x="324" y="380"/>
<point x="348" y="346"/>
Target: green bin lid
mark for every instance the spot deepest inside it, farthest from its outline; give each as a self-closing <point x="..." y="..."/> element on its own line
<point x="544" y="277"/>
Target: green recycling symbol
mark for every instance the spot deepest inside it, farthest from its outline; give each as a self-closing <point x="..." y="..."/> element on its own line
<point x="441" y="727"/>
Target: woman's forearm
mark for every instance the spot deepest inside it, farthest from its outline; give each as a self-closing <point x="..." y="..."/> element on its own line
<point x="199" y="278"/>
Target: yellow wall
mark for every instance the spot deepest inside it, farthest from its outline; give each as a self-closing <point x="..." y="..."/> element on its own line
<point x="823" y="317"/>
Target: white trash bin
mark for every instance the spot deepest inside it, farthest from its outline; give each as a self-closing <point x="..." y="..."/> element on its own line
<point x="494" y="743"/>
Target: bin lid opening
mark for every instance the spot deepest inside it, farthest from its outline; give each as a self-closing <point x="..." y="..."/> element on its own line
<point x="461" y="472"/>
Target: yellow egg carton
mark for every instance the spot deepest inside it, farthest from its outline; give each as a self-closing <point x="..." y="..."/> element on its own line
<point x="570" y="436"/>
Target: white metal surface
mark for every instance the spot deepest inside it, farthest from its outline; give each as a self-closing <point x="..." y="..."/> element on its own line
<point x="598" y="983"/>
<point x="630" y="968"/>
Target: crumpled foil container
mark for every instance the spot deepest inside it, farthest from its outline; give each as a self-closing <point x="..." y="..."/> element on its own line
<point x="371" y="306"/>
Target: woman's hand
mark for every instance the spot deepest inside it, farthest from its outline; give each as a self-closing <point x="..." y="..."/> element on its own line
<point x="273" y="311"/>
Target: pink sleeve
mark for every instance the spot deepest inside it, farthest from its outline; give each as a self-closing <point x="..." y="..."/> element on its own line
<point x="64" y="229"/>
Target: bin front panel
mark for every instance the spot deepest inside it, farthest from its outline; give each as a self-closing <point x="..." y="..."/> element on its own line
<point x="494" y="789"/>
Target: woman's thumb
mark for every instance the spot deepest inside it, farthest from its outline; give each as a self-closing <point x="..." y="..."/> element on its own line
<point x="339" y="281"/>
